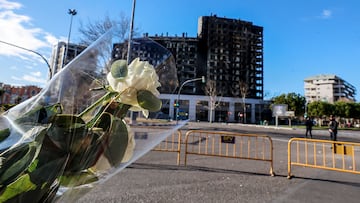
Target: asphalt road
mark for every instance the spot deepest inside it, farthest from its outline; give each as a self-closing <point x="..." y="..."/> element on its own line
<point x="156" y="177"/>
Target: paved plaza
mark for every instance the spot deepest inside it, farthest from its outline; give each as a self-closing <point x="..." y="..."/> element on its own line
<point x="157" y="178"/>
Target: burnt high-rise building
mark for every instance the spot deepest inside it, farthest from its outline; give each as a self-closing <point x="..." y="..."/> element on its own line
<point x="185" y="51"/>
<point x="231" y="52"/>
<point x="226" y="51"/>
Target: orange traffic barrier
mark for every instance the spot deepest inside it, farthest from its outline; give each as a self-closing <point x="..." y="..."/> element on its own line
<point x="324" y="154"/>
<point x="171" y="144"/>
<point x="229" y="145"/>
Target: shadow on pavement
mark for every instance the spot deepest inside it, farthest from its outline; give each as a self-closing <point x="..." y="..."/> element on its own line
<point x="228" y="171"/>
<point x="355" y="184"/>
<point x="192" y="168"/>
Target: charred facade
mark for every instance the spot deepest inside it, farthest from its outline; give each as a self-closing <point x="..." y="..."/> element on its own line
<point x="228" y="51"/>
<point x="232" y="53"/>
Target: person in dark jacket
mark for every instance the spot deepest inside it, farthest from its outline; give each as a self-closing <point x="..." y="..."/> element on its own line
<point x="333" y="126"/>
<point x="309" y="124"/>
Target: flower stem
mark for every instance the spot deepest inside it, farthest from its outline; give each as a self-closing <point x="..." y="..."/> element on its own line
<point x="103" y="98"/>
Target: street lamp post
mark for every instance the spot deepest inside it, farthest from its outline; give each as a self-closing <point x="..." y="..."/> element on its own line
<point x="178" y="97"/>
<point x="47" y="63"/>
<point x="72" y="12"/>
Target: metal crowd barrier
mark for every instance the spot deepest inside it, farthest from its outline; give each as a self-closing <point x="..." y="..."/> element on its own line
<point x="229" y="145"/>
<point x="171" y="144"/>
<point x="324" y="154"/>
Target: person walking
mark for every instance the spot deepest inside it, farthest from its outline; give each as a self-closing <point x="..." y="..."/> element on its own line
<point x="333" y="126"/>
<point x="309" y="124"/>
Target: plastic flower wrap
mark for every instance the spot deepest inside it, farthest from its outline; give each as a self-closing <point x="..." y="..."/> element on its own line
<point x="75" y="133"/>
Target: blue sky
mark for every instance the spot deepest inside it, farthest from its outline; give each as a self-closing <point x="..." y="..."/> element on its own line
<point x="302" y="38"/>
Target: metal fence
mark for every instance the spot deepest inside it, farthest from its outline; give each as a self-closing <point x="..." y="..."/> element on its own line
<point x="171" y="144"/>
<point x="229" y="145"/>
<point x="324" y="154"/>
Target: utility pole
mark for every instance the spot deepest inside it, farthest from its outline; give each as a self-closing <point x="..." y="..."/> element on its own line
<point x="132" y="119"/>
<point x="131" y="31"/>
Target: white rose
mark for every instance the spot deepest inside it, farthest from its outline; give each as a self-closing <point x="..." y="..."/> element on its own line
<point x="140" y="76"/>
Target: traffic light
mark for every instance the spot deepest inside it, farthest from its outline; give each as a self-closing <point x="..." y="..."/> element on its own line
<point x="176" y="105"/>
<point x="203" y="80"/>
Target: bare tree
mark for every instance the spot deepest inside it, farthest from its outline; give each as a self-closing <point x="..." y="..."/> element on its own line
<point x="94" y="29"/>
<point x="214" y="101"/>
<point x="244" y="88"/>
<point x="91" y="31"/>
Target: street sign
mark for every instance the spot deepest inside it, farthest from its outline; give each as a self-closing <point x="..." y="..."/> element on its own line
<point x="279" y="110"/>
<point x="290" y="113"/>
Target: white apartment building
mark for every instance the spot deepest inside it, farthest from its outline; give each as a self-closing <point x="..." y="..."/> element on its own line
<point x="58" y="59"/>
<point x="329" y="88"/>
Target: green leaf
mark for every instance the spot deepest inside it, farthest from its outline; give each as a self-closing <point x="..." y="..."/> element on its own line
<point x="53" y="110"/>
<point x="48" y="171"/>
<point x="25" y="190"/>
<point x="21" y="185"/>
<point x="9" y="158"/>
<point x="88" y="153"/>
<point x="96" y="143"/>
<point x="109" y="136"/>
<point x="148" y="100"/>
<point x="87" y="114"/>
<point x="72" y="180"/>
<point x="40" y="114"/>
<point x="4" y="134"/>
<point x="16" y="161"/>
<point x="117" y="143"/>
<point x="119" y="69"/>
<point x="67" y="131"/>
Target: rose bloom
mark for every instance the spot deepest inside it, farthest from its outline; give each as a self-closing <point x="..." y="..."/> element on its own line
<point x="141" y="76"/>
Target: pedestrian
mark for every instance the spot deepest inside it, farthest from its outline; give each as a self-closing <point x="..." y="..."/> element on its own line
<point x="309" y="124"/>
<point x="333" y="126"/>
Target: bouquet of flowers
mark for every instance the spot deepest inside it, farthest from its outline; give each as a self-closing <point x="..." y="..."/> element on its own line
<point x="75" y="132"/>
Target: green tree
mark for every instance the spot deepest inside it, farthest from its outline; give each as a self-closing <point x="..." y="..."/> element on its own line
<point x="18" y="100"/>
<point x="347" y="109"/>
<point x="295" y="102"/>
<point x="320" y="109"/>
<point x="355" y="111"/>
<point x="341" y="109"/>
<point x="2" y="92"/>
